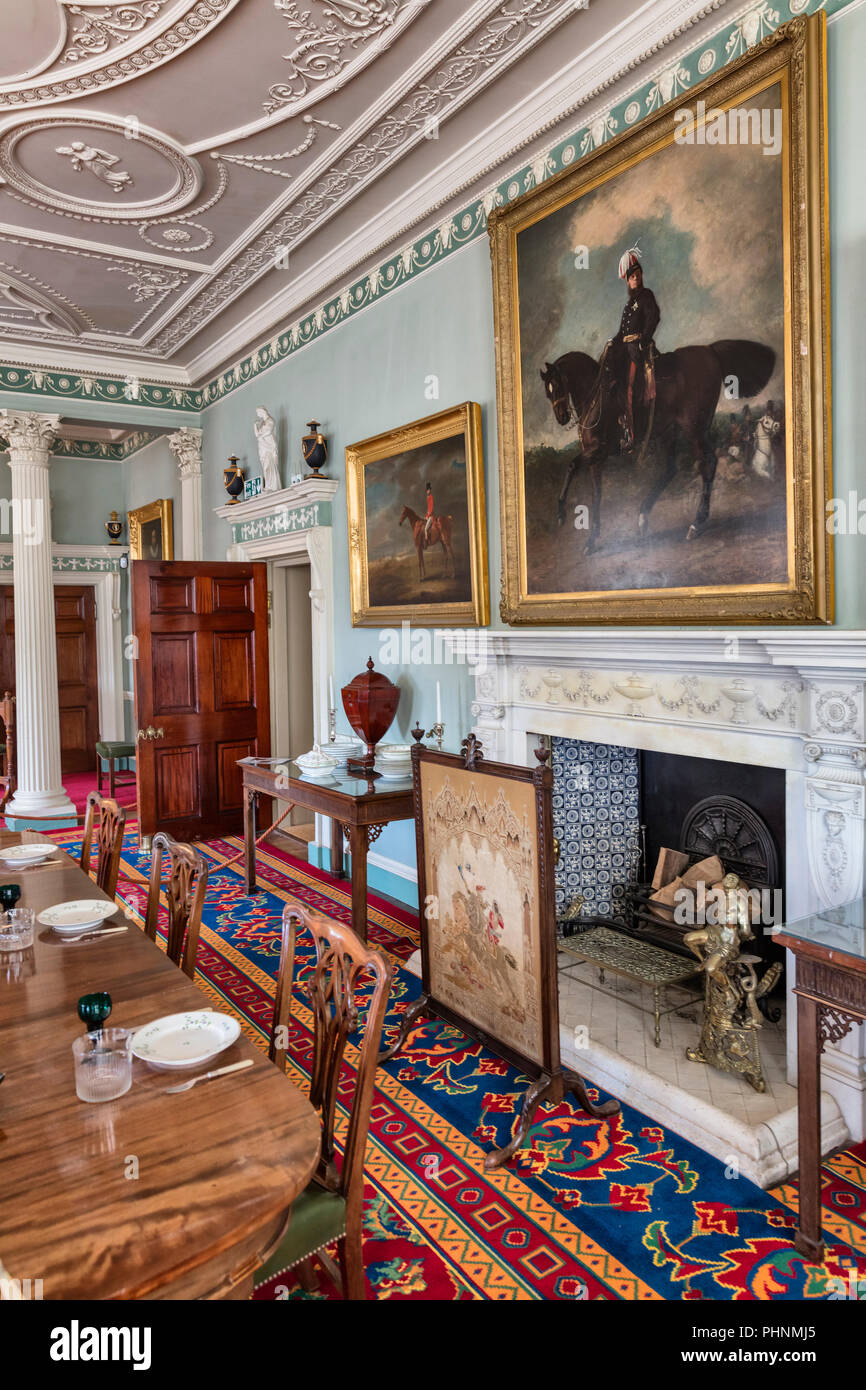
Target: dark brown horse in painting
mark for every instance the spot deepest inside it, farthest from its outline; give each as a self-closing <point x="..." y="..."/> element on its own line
<point x="440" y="533"/>
<point x="588" y="394"/>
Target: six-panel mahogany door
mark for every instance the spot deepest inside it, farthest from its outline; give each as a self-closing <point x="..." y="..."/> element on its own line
<point x="201" y="690"/>
<point x="77" y="677"/>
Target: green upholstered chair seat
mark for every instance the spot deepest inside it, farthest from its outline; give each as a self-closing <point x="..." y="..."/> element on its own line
<point x="318" y="1218"/>
<point x="115" y="750"/>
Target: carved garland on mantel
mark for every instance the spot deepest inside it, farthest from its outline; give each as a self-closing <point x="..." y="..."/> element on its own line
<point x="737" y="701"/>
<point x="801" y="702"/>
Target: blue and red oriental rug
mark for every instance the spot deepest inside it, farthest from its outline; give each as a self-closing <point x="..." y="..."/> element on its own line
<point x="588" y="1209"/>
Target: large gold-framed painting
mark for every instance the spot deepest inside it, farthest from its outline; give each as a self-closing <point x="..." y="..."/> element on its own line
<point x="663" y="377"/>
<point x="151" y="530"/>
<point x="417" y="523"/>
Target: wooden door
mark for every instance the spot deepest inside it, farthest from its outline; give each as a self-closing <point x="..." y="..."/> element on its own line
<point x="77" y="675"/>
<point x="201" y="689"/>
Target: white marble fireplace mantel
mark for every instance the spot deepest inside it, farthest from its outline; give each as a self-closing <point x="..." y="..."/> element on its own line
<point x="794" y="700"/>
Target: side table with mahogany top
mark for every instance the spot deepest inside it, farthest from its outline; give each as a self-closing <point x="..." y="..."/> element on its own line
<point x="359" y="808"/>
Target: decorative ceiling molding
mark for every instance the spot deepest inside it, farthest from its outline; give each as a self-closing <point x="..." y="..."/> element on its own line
<point x="514" y="28"/>
<point x="622" y="59"/>
<point x="130" y="390"/>
<point x="624" y="49"/>
<point x="100" y="168"/>
<point x="456" y="231"/>
<point x="37" y="308"/>
<point x="102" y="58"/>
<point x="67" y="447"/>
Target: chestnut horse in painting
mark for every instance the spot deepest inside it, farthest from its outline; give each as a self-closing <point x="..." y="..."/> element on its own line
<point x="586" y="393"/>
<point x="440" y="533"/>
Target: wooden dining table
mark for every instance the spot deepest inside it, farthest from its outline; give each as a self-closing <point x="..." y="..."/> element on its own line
<point x="150" y="1196"/>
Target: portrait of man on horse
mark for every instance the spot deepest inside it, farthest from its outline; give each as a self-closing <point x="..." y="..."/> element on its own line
<point x="631" y="352"/>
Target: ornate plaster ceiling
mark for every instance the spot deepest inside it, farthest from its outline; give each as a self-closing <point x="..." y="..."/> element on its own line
<point x="174" y="170"/>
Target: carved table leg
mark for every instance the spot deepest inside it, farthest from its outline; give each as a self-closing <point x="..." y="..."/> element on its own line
<point x="358" y="845"/>
<point x="413" y="1013"/>
<point x="808" y="1238"/>
<point x="337" y="869"/>
<point x="250" y="798"/>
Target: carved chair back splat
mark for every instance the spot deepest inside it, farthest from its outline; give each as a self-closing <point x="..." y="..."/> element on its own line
<point x="185" y="891"/>
<point x="341" y="959"/>
<point x="108" y="835"/>
<point x="7" y="714"/>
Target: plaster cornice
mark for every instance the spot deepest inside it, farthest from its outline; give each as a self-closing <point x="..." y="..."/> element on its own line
<point x="588" y="77"/>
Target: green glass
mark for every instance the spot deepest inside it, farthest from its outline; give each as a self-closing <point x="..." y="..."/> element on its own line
<point x="93" y="1009"/>
<point x="9" y="895"/>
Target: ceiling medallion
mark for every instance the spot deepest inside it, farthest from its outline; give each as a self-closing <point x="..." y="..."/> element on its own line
<point x="99" y="162"/>
<point x="181" y="175"/>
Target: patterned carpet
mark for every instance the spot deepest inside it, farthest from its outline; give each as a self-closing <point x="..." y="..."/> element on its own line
<point x="610" y="1209"/>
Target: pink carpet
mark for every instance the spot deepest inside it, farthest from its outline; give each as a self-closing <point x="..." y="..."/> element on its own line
<point x="78" y="784"/>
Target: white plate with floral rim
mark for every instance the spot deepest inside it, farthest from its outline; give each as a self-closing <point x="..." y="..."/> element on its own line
<point x="184" y="1040"/>
<point x="68" y="918"/>
<point x="22" y="855"/>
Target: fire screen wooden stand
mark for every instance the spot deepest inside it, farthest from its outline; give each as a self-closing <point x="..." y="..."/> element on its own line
<point x="488" y="919"/>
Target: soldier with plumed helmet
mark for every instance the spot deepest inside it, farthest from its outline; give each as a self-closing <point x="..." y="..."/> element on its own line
<point x="640" y="319"/>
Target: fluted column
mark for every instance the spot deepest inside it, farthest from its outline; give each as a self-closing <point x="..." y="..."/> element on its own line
<point x="40" y="790"/>
<point x="186" y="447"/>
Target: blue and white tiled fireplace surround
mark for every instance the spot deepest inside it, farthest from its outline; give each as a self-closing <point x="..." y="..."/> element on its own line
<point x="596" y="819"/>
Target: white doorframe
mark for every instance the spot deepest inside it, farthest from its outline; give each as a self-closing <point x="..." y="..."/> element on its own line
<point x="313" y="546"/>
<point x="109" y="647"/>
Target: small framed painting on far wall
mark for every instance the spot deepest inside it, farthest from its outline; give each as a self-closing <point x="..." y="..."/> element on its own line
<point x="417" y="523"/>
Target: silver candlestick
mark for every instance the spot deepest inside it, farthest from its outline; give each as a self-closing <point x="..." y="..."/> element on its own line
<point x="332" y="725"/>
<point x="437" y="732"/>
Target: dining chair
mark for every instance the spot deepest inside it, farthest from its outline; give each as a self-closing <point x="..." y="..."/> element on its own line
<point x="185" y="892"/>
<point x="331" y="1207"/>
<point x="7" y="715"/>
<point x="108" y="834"/>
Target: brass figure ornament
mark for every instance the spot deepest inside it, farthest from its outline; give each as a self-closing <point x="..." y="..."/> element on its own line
<point x="729" y="1032"/>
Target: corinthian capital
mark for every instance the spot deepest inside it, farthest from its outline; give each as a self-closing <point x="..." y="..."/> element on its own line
<point x="185" y="444"/>
<point x="28" y="431"/>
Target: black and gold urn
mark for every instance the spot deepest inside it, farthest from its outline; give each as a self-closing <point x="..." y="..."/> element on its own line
<point x="233" y="477"/>
<point x="114" y="526"/>
<point x="314" y="448"/>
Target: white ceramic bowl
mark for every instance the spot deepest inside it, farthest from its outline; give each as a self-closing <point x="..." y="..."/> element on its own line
<point x="394" y="752"/>
<point x="80" y="915"/>
<point x="344" y="746"/>
<point x="184" y="1040"/>
<point x="21" y="855"/>
<point x="316" y="763"/>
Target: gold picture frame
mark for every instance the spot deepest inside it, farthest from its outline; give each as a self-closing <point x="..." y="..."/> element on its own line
<point x="788" y="575"/>
<point x="142" y="529"/>
<point x="395" y="575"/>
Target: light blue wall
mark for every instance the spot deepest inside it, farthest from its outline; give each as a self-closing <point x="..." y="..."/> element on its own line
<point x="369" y="374"/>
<point x="148" y="474"/>
<point x="83" y="493"/>
<point x="846" y="48"/>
